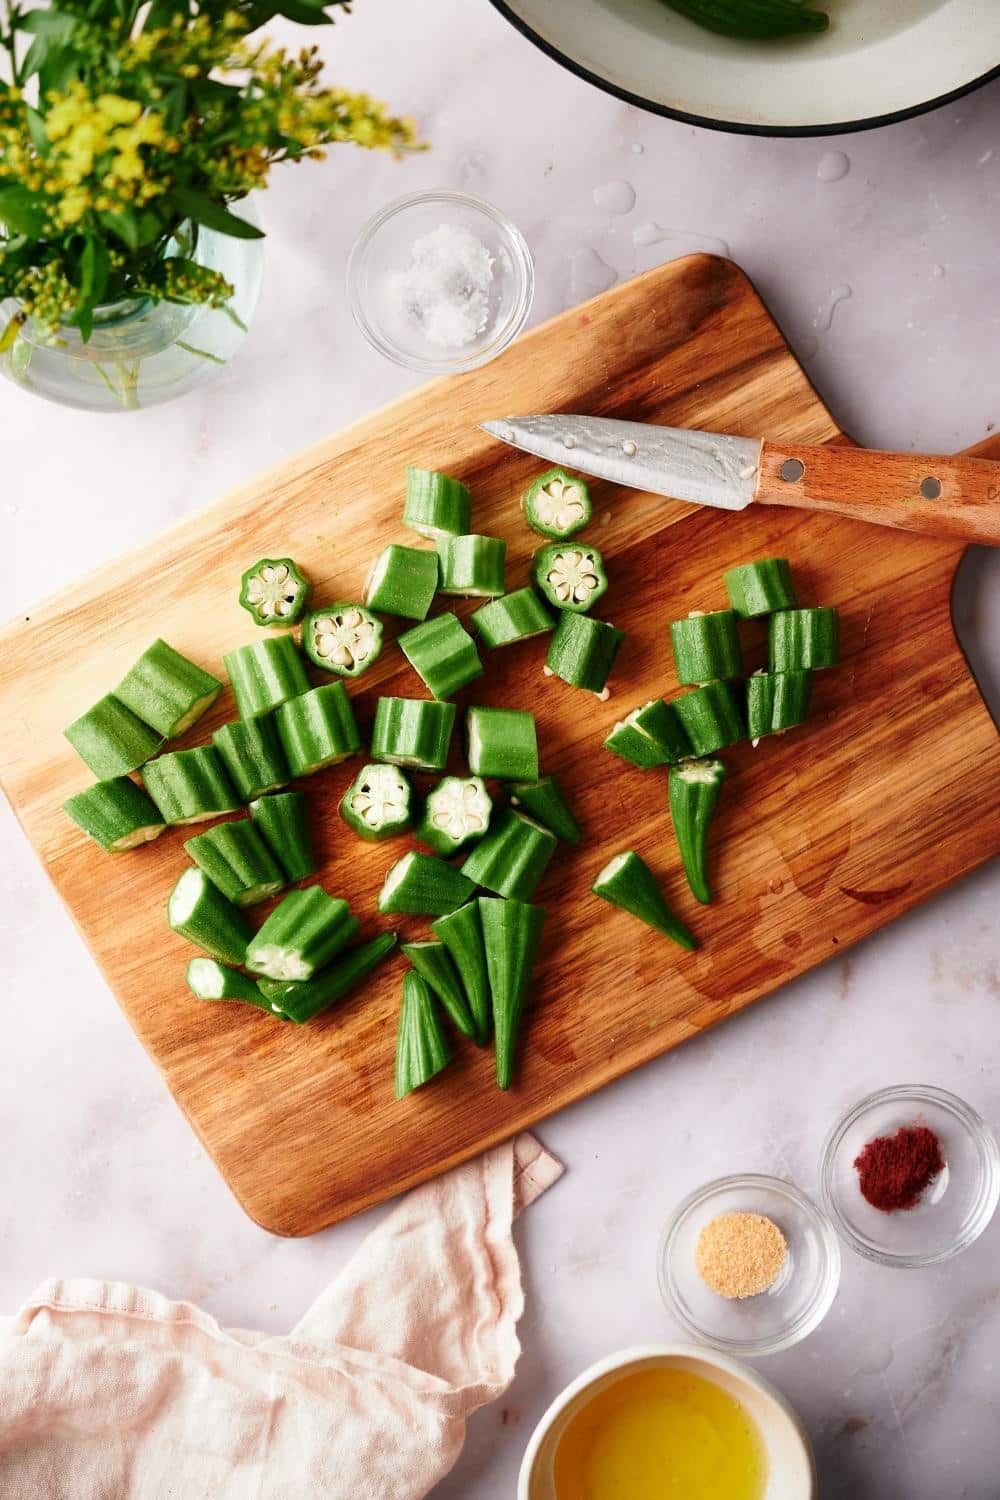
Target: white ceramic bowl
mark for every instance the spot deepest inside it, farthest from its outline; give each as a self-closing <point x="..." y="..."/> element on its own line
<point x="791" y="1466"/>
<point x="881" y="60"/>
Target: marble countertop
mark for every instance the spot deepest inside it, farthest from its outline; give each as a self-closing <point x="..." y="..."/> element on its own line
<point x="885" y="278"/>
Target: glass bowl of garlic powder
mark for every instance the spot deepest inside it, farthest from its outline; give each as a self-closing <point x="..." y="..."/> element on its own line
<point x="440" y="282"/>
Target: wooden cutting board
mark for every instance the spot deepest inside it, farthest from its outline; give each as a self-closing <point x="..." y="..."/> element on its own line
<point x="824" y="836"/>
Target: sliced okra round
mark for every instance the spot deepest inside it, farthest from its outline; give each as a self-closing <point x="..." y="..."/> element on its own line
<point x="502" y="742"/>
<point x="777" y="701"/>
<point x="436" y="505"/>
<point x="274" y="591"/>
<point x="306" y="930"/>
<point x="472" y="566"/>
<point x="627" y="882"/>
<point x="265" y="674"/>
<point x="236" y="859"/>
<point x="706" y="647"/>
<point x="190" y="786"/>
<point x="111" y="740"/>
<point x="515" y="617"/>
<point x="282" y="820"/>
<point x="570" y="575"/>
<point x="116" y="814"/>
<point x="378" y="803"/>
<point x="760" y="588"/>
<point x="422" y="1048"/>
<point x="711" y="716"/>
<point x="207" y="979"/>
<point x="513" y="856"/>
<point x="804" y="638"/>
<point x="442" y="654"/>
<point x="456" y="813"/>
<point x="198" y="911"/>
<point x="318" y="729"/>
<point x="413" y="732"/>
<point x="694" y="790"/>
<point x="344" y="638"/>
<point x="545" y="802"/>
<point x="557" y="505"/>
<point x="167" y="691"/>
<point x="402" y="581"/>
<point x="252" y="754"/>
<point x="583" y="651"/>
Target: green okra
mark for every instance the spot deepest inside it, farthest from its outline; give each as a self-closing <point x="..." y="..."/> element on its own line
<point x="436" y="505"/>
<point x="252" y="754"/>
<point x="804" y="638"/>
<point x="424" y="885"/>
<point x="299" y="1001"/>
<point x="318" y="729"/>
<point x="472" y="566"/>
<point x="461" y="932"/>
<point x="265" y="674"/>
<point x="344" y="639"/>
<point x="706" y="647"/>
<point x="760" y="588"/>
<point x="190" y="786"/>
<point x="282" y="820"/>
<point x="413" y="732"/>
<point x="442" y="654"/>
<point x="402" y="581"/>
<point x="456" y="813"/>
<point x="511" y="934"/>
<point x="583" y="650"/>
<point x="198" y="911"/>
<point x="432" y="961"/>
<point x="777" y="701"/>
<point x="502" y="742"/>
<point x="694" y="791"/>
<point x="545" y="802"/>
<point x="237" y="860"/>
<point x="207" y="979"/>
<point x="378" y="803"/>
<point x="111" y="740"/>
<point x="422" y="1048"/>
<point x="649" y="736"/>
<point x="274" y="591"/>
<point x="167" y="691"/>
<point x="513" y="856"/>
<point x="305" y="931"/>
<point x="515" y="617"/>
<point x="711" y="716"/>
<point x="627" y="882"/>
<point x="557" y="505"/>
<point x="759" y="20"/>
<point x="116" y="814"/>
<point x="569" y="575"/>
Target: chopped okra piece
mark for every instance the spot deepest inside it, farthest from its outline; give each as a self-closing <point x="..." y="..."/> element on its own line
<point x="711" y="716"/>
<point x="502" y="742"/>
<point x="461" y="932"/>
<point x="377" y="804"/>
<point x="111" y="739"/>
<point x="436" y="505"/>
<point x="116" y="814"/>
<point x="236" y="859"/>
<point x="403" y="581"/>
<point x="207" y="979"/>
<point x="413" y="732"/>
<point x="627" y="882"/>
<point x="167" y="691"/>
<point x="516" y="617"/>
<point x="706" y="647"/>
<point x="252" y="754"/>
<point x="803" y="638"/>
<point x="274" y="591"/>
<point x="513" y="856"/>
<point x="442" y="653"/>
<point x="265" y="674"/>
<point x="306" y="930"/>
<point x="695" y="789"/>
<point x="299" y="1001"/>
<point x="432" y="962"/>
<point x="190" y="786"/>
<point x="583" y="651"/>
<point x="545" y="801"/>
<point x="557" y="505"/>
<point x="422" y="1048"/>
<point x="282" y="820"/>
<point x="318" y="729"/>
<point x="345" y="639"/>
<point x="424" y="885"/>
<point x="649" y="736"/>
<point x="198" y="911"/>
<point x="511" y="934"/>
<point x="570" y="575"/>
<point x="760" y="588"/>
<point x="777" y="701"/>
<point x="472" y="565"/>
<point x="456" y="813"/>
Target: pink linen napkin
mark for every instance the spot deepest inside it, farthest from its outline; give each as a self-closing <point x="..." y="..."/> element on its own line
<point x="112" y="1392"/>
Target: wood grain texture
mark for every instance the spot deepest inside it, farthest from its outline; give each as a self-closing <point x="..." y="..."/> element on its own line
<point x="824" y="835"/>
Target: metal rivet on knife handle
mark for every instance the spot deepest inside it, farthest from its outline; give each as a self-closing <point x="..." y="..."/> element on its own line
<point x="930" y="488"/>
<point x="792" y="470"/>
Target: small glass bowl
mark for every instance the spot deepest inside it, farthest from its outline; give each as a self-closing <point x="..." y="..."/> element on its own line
<point x="790" y="1309"/>
<point x="957" y="1204"/>
<point x="383" y="249"/>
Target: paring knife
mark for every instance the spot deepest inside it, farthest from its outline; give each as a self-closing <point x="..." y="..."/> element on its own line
<point x="949" y="497"/>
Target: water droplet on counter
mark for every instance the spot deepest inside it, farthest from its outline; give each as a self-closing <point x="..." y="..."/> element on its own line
<point x="986" y="156"/>
<point x="833" y="166"/>
<point x="628" y="448"/>
<point x="938" y="271"/>
<point x="615" y="197"/>
<point x="638" y="147"/>
<point x="589" y="274"/>
<point x="654" y="234"/>
<point x="824" y="319"/>
<point x="807" y="347"/>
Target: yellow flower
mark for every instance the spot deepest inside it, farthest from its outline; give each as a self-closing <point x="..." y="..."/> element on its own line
<point x="118" y="111"/>
<point x="72" y="206"/>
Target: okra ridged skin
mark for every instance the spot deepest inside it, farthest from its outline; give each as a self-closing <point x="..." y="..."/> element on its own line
<point x="432" y="962"/>
<point x="190" y="786"/>
<point x="456" y="813"/>
<point x="402" y="581"/>
<point x="627" y="882"/>
<point x="318" y="729"/>
<point x="116" y="814"/>
<point x="265" y="674"/>
<point x="583" y="651"/>
<point x="378" y="803"/>
<point x="305" y="932"/>
<point x="513" y="856"/>
<point x="472" y="566"/>
<point x="650" y="736"/>
<point x="198" y="911"/>
<point x="282" y="820"/>
<point x="207" y="979"/>
<point x="442" y="654"/>
<point x="777" y="701"/>
<point x="712" y="717"/>
<point x="760" y="588"/>
<point x="461" y="932"/>
<point x="300" y="1002"/>
<point x="252" y="754"/>
<point x="502" y="742"/>
<point x="422" y="1048"/>
<point x="424" y="885"/>
<point x="706" y="647"/>
<point x="630" y="744"/>
<point x="167" y="690"/>
<point x="436" y="505"/>
<point x="557" y="505"/>
<point x="236" y="859"/>
<point x="803" y="638"/>
<point x="695" y="787"/>
<point x="545" y="802"/>
<point x="111" y="740"/>
<point x="569" y="575"/>
<point x="413" y="732"/>
<point x="511" y="934"/>
<point x="514" y="617"/>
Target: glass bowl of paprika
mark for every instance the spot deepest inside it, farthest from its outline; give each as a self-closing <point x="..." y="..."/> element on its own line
<point x="910" y="1176"/>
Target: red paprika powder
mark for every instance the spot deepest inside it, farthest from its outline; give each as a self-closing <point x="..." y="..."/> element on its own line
<point x="894" y="1170"/>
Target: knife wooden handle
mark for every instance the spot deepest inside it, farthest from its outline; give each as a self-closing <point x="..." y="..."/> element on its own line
<point x="949" y="497"/>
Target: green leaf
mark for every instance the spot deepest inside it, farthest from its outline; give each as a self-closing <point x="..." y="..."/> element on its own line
<point x="123" y="226"/>
<point x="95" y="264"/>
<point x="205" y="210"/>
<point x="49" y="23"/>
<point x="20" y="210"/>
<point x="36" y="129"/>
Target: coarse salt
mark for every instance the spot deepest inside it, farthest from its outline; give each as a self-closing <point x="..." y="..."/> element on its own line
<point x="446" y="287"/>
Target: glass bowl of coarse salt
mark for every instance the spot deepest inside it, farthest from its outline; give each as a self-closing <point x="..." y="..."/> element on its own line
<point x="749" y="1264"/>
<point x="440" y="282"/>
